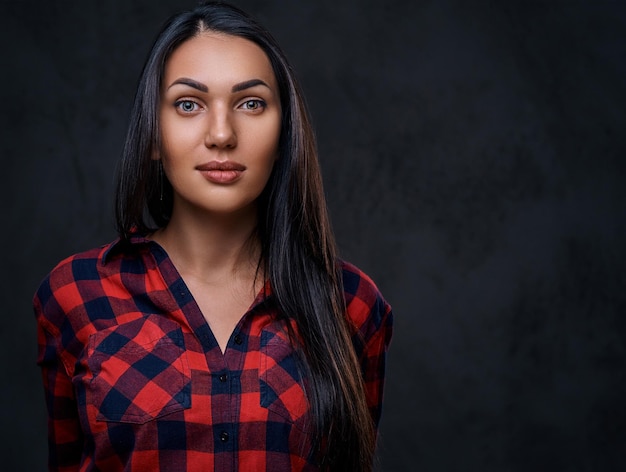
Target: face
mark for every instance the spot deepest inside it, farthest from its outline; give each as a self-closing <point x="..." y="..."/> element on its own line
<point x="220" y="121"/>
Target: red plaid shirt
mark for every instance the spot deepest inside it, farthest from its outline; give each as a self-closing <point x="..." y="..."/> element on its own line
<point x="135" y="380"/>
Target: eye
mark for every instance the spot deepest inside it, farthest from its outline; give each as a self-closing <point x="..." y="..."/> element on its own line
<point x="186" y="106"/>
<point x="253" y="105"/>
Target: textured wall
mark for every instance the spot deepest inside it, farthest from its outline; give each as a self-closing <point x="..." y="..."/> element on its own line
<point x="474" y="166"/>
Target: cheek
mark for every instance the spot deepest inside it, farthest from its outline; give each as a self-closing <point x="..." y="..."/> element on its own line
<point x="272" y="141"/>
<point x="177" y="135"/>
<point x="262" y="142"/>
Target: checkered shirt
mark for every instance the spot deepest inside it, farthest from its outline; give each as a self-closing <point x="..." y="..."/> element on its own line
<point x="135" y="380"/>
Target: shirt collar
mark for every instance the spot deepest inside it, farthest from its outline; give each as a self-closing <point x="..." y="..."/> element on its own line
<point x="136" y="240"/>
<point x="124" y="244"/>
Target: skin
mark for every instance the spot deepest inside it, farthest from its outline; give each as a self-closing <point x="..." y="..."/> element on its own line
<point x="220" y="103"/>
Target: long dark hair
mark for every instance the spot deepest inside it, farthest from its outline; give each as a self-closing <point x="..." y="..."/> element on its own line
<point x="298" y="252"/>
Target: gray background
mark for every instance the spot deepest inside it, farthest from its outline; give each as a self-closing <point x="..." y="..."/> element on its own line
<point x="473" y="158"/>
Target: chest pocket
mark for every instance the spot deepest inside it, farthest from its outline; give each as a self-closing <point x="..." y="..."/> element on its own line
<point x="139" y="371"/>
<point x="281" y="385"/>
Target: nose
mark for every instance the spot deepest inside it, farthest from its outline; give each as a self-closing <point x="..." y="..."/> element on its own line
<point x="220" y="130"/>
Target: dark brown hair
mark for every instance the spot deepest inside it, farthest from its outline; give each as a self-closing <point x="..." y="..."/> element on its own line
<point x="298" y="251"/>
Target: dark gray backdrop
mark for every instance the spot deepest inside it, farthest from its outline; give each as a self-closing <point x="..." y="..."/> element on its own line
<point x="474" y="163"/>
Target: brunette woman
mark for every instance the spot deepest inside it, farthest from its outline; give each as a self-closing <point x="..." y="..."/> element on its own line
<point x="220" y="331"/>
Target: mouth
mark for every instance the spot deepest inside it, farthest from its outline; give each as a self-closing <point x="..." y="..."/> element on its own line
<point x="221" y="166"/>
<point x="226" y="172"/>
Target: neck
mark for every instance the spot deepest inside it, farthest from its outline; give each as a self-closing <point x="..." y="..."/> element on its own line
<point x="213" y="247"/>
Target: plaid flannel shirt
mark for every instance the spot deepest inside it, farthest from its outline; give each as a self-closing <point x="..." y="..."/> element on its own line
<point x="135" y="380"/>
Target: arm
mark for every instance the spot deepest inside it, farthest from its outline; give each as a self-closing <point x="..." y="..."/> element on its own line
<point x="373" y="360"/>
<point x="65" y="439"/>
<point x="371" y="322"/>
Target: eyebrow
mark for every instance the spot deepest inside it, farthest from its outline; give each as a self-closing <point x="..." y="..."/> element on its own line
<point x="190" y="83"/>
<point x="248" y="84"/>
<point x="203" y="88"/>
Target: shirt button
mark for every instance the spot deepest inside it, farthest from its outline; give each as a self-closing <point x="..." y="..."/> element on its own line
<point x="223" y="378"/>
<point x="224" y="436"/>
<point x="238" y="339"/>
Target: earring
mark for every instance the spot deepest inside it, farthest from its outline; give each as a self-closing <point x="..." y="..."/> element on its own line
<point x="160" y="178"/>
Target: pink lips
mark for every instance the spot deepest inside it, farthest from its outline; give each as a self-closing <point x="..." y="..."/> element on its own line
<point x="221" y="172"/>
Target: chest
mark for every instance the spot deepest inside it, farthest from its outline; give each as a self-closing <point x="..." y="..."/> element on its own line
<point x="166" y="376"/>
<point x="222" y="306"/>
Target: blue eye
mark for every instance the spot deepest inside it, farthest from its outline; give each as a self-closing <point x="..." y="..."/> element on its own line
<point x="186" y="106"/>
<point x="253" y="104"/>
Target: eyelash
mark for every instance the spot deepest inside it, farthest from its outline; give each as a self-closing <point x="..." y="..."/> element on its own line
<point x="179" y="103"/>
<point x="258" y="104"/>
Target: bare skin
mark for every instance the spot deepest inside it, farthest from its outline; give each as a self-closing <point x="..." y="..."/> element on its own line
<point x="219" y="105"/>
<point x="217" y="266"/>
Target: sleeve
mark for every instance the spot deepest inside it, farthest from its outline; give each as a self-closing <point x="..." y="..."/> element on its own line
<point x="372" y="322"/>
<point x="373" y="361"/>
<point x="65" y="439"/>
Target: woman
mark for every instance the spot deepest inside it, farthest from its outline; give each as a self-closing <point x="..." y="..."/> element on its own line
<point x="220" y="331"/>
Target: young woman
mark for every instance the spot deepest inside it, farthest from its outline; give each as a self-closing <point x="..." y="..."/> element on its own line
<point x="220" y="331"/>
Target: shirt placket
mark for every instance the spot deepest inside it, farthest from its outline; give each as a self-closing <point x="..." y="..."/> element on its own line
<point x="226" y="400"/>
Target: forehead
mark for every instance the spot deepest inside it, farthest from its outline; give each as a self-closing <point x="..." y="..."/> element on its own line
<point x="217" y="57"/>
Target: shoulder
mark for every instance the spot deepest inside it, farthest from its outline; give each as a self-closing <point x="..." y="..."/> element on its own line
<point x="366" y="308"/>
<point x="63" y="289"/>
<point x="88" y="267"/>
<point x="79" y="266"/>
<point x="359" y="288"/>
<point x="85" y="293"/>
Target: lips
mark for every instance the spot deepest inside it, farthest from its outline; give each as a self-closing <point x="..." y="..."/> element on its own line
<point x="224" y="166"/>
<point x="225" y="172"/>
